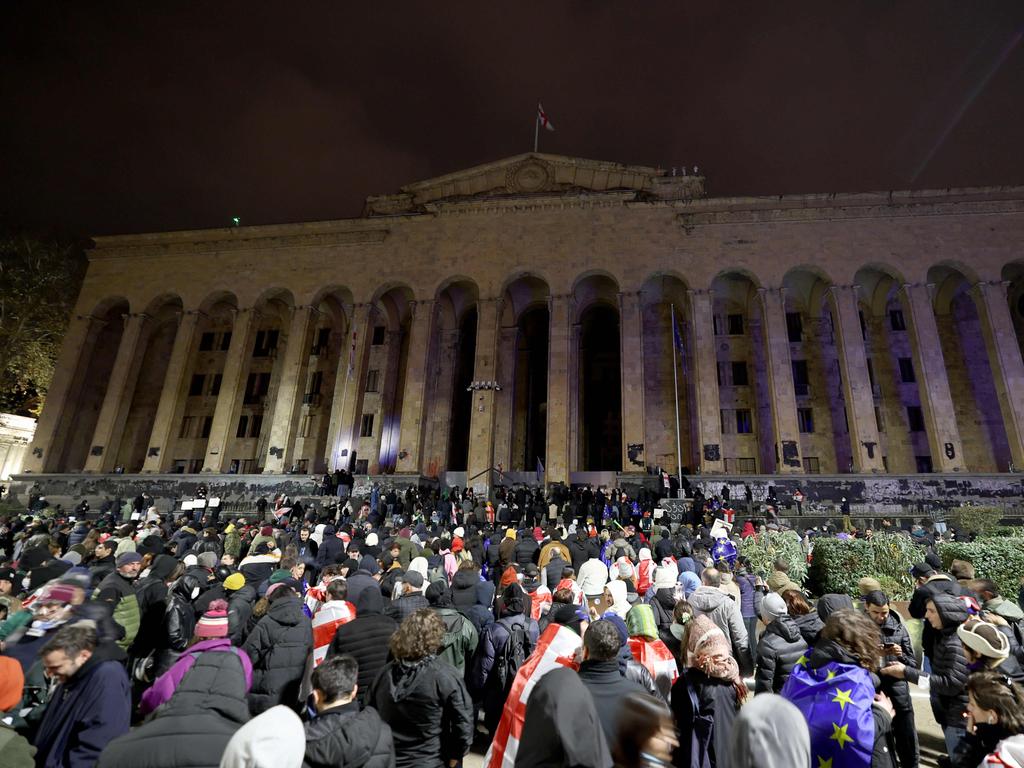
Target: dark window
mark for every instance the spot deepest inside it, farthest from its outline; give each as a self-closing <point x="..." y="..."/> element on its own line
<point x="915" y="418"/>
<point x="722" y="375"/>
<point x="362" y="467"/>
<point x="316" y="382"/>
<point x="801" y="386"/>
<point x="924" y="464"/>
<point x="196" y="387"/>
<point x="863" y="325"/>
<point x="372" y="380"/>
<point x="257" y="425"/>
<point x="266" y="343"/>
<point x="1020" y="304"/>
<point x="215" y="384"/>
<point x="744" y="425"/>
<point x="907" y="370"/>
<point x="366" y="427"/>
<point x="207" y="426"/>
<point x="225" y="341"/>
<point x="794" y="326"/>
<point x="256" y="387"/>
<point x="746" y="466"/>
<point x="243" y="426"/>
<point x="378" y="335"/>
<point x="896" y="321"/>
<point x="735" y="325"/>
<point x="805" y="417"/>
<point x="739" y="373"/>
<point x="206" y="341"/>
<point x="811" y="465"/>
<point x="323" y="336"/>
<point x="871" y="373"/>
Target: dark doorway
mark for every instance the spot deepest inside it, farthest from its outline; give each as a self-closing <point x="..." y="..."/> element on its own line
<point x="462" y="400"/>
<point x="600" y="389"/>
<point x="529" y="423"/>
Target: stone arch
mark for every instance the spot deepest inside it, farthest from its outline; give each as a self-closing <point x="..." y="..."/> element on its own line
<point x="595" y="287"/>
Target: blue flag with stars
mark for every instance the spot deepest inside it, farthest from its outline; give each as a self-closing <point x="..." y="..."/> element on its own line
<point x="835" y="700"/>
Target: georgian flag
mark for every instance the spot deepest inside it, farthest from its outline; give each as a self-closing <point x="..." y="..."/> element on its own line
<point x="542" y="118"/>
<point x="556" y="647"/>
<point x="656" y="657"/>
<point x="325" y="624"/>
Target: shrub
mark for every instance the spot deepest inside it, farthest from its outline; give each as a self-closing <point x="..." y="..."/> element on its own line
<point x="838" y="564"/>
<point x="1005" y="531"/>
<point x="763" y="549"/>
<point x="1000" y="560"/>
<point x="979" y="520"/>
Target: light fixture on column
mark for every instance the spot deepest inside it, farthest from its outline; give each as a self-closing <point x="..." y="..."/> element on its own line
<point x="476" y="385"/>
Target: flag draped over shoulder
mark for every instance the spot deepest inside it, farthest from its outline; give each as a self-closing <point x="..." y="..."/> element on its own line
<point x="556" y="648"/>
<point x="656" y="657"/>
<point x="326" y="622"/>
<point x="835" y="700"/>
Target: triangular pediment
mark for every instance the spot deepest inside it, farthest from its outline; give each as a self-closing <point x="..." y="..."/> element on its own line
<point x="529" y="174"/>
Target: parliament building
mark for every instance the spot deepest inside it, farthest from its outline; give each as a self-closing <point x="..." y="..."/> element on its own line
<point x="520" y="314"/>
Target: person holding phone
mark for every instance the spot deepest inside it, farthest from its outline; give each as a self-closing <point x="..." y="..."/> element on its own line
<point x="897" y="649"/>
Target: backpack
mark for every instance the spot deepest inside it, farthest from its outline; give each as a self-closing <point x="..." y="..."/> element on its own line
<point x="437" y="573"/>
<point x="511" y="657"/>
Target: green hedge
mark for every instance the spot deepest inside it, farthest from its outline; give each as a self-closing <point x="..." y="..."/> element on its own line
<point x="976" y="519"/>
<point x="1000" y="560"/>
<point x="763" y="549"/>
<point x="838" y="564"/>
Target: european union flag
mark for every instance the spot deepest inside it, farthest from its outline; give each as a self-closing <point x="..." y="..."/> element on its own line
<point x="836" y="702"/>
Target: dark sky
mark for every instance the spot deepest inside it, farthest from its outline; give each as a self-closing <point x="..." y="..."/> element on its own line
<point x="117" y="118"/>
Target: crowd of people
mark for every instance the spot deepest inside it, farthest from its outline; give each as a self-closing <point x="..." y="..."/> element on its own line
<point x="403" y="629"/>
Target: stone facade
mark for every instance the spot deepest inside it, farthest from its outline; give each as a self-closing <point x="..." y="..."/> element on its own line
<point x="518" y="315"/>
<point x="15" y="435"/>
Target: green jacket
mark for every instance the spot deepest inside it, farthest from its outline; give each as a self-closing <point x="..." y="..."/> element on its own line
<point x="232" y="544"/>
<point x="16" y="751"/>
<point x="1009" y="610"/>
<point x="116" y="590"/>
<point x="460" y="639"/>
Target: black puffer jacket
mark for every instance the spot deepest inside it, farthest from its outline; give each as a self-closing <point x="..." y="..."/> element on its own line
<point x="947" y="683"/>
<point x="366" y="638"/>
<point x="429" y="711"/>
<point x="937" y="584"/>
<point x="526" y="550"/>
<point x="893" y="632"/>
<point x="778" y="651"/>
<point x="192" y="729"/>
<point x="240" y="604"/>
<point x="278" y="647"/>
<point x="810" y="625"/>
<point x="345" y="736"/>
<point x="179" y="622"/>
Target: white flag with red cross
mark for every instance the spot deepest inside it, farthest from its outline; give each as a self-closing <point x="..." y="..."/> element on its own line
<point x="542" y="118"/>
<point x="556" y="648"/>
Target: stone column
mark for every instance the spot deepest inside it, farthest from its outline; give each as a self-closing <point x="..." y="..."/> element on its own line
<point x="232" y="387"/>
<point x="707" y="407"/>
<point x="932" y="382"/>
<point x="631" y="357"/>
<point x="171" y="407"/>
<point x="291" y="387"/>
<point x="348" y="390"/>
<point x="62" y="395"/>
<point x="866" y="449"/>
<point x="1005" y="360"/>
<point x="117" y="398"/>
<point x="556" y="468"/>
<point x="786" y="429"/>
<point x="410" y="441"/>
<point x="485" y="369"/>
<point x="505" y="400"/>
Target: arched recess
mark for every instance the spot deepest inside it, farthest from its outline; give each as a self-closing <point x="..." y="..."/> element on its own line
<point x="598" y="421"/>
<point x="898" y="413"/>
<point x="380" y="416"/>
<point x="450" y="365"/>
<point x="971" y="383"/>
<point x="90" y="384"/>
<point x="203" y="382"/>
<point x="155" y="349"/>
<point x="1013" y="275"/>
<point x="325" y="362"/>
<point x="746" y="417"/>
<point x="661" y="296"/>
<point x="523" y="353"/>
<point x="817" y="380"/>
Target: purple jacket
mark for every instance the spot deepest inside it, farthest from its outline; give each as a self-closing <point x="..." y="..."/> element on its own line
<point x="165" y="685"/>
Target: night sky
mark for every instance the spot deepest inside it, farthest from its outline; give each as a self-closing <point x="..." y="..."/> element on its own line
<point x="118" y="118"/>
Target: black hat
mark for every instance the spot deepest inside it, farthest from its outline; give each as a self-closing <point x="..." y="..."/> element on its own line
<point x="921" y="569"/>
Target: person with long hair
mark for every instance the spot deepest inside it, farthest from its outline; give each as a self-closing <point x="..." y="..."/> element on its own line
<point x="804" y="615"/>
<point x="647" y="735"/>
<point x="834" y="687"/>
<point x="995" y="711"/>
<point x="707" y="695"/>
<point x="422" y="698"/>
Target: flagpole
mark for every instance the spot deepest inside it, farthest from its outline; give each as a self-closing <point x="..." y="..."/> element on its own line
<point x="536" y="127"/>
<point x="675" y="387"/>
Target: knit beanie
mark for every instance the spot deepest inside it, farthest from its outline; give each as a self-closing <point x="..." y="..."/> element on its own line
<point x="213" y="623"/>
<point x="773" y="606"/>
<point x="12" y="681"/>
<point x="280" y="575"/>
<point x="234" y="582"/>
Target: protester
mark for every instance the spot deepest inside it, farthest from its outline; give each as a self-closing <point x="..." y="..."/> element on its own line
<point x="709" y="600"/>
<point x="274" y="739"/>
<point x="278" y="648"/>
<point x="769" y="732"/>
<point x="365" y="638"/>
<point x="423" y="699"/>
<point x="602" y="676"/>
<point x="16" y="751"/>
<point x="779" y="648"/>
<point x="647" y="735"/>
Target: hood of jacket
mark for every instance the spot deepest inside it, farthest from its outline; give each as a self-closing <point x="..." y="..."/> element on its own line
<point x="707" y="599"/>
<point x="287" y="611"/>
<point x="951" y="610"/>
<point x="404" y="675"/>
<point x="829" y="604"/>
<point x="770" y="732"/>
<point x="828" y="651"/>
<point x="784" y="627"/>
